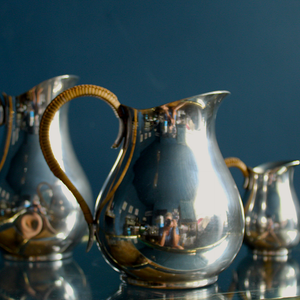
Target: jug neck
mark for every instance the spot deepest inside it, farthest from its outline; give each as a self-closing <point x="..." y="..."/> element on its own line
<point x="196" y="113"/>
<point x="30" y="106"/>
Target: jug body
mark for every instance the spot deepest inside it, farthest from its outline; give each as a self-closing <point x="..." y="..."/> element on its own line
<point x="169" y="214"/>
<point x="39" y="218"/>
<point x="272" y="212"/>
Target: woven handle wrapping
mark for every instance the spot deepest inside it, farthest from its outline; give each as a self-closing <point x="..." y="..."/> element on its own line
<point x="52" y="108"/>
<point x="9" y="103"/>
<point x="237" y="163"/>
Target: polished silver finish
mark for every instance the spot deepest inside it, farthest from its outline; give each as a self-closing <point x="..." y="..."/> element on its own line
<point x="126" y="291"/>
<point x="63" y="280"/>
<point x="272" y="213"/>
<point x="39" y="217"/>
<point x="176" y="220"/>
<point x="169" y="214"/>
<point x="258" y="278"/>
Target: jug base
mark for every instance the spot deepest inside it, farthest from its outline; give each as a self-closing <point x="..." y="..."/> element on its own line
<point x="49" y="257"/>
<point x="169" y="285"/>
<point x="274" y="255"/>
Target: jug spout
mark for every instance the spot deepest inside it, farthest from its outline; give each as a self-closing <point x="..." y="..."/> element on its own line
<point x="278" y="167"/>
<point x="209" y="101"/>
<point x="32" y="104"/>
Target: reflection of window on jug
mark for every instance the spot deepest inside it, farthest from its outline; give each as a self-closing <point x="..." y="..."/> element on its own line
<point x="132" y="225"/>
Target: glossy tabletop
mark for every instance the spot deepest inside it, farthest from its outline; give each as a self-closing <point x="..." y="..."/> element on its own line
<point x="88" y="276"/>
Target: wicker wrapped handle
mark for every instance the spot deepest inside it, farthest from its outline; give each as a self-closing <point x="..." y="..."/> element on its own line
<point x="9" y="103"/>
<point x="52" y="108"/>
<point x="237" y="163"/>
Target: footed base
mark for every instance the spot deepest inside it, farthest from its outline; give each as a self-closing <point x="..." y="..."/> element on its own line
<point x="169" y="285"/>
<point x="49" y="257"/>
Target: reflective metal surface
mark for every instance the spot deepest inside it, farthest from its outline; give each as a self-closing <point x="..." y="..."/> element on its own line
<point x="169" y="214"/>
<point x="132" y="292"/>
<point x="263" y="279"/>
<point x="88" y="276"/>
<point x="63" y="280"/>
<point x="39" y="217"/>
<point x="272" y="212"/>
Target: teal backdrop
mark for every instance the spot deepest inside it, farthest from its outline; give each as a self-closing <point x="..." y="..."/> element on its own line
<point x="153" y="52"/>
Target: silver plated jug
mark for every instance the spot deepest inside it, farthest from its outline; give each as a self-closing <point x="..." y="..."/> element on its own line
<point x="39" y="217"/>
<point x="272" y="212"/>
<point x="169" y="214"/>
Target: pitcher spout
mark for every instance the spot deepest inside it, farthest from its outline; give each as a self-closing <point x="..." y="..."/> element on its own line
<point x="207" y="99"/>
<point x="276" y="167"/>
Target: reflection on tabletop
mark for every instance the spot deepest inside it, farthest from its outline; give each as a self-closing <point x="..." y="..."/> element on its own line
<point x="88" y="276"/>
<point x="62" y="279"/>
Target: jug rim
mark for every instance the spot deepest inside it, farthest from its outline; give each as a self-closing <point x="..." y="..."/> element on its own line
<point x="36" y="87"/>
<point x="274" y="166"/>
<point x="186" y="99"/>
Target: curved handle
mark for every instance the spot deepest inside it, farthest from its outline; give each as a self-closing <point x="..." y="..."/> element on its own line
<point x="236" y="162"/>
<point x="52" y="108"/>
<point x="9" y="102"/>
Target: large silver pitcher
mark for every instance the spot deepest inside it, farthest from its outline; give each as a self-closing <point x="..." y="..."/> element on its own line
<point x="169" y="214"/>
<point x="272" y="212"/>
<point x="39" y="217"/>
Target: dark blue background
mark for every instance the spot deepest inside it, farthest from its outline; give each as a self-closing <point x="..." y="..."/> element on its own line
<point x="153" y="52"/>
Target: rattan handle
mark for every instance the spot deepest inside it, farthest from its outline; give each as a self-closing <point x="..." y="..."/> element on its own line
<point x="52" y="108"/>
<point x="237" y="163"/>
<point x="9" y="102"/>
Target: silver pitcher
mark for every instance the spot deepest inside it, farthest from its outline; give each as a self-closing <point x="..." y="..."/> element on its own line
<point x="169" y="214"/>
<point x="39" y="217"/>
<point x="272" y="213"/>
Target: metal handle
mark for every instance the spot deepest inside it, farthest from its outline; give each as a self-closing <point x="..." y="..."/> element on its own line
<point x="52" y="108"/>
<point x="9" y="103"/>
<point x="236" y="162"/>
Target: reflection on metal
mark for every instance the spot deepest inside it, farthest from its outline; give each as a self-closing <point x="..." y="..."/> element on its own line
<point x="264" y="279"/>
<point x="43" y="280"/>
<point x="132" y="292"/>
<point x="39" y="217"/>
<point x="272" y="212"/>
<point x="169" y="214"/>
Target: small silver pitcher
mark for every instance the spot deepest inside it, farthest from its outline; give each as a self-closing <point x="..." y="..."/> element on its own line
<point x="272" y="214"/>
<point x="39" y="217"/>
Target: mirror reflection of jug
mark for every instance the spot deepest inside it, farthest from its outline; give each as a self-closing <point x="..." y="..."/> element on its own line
<point x="61" y="279"/>
<point x="132" y="292"/>
<point x="259" y="278"/>
<point x="272" y="213"/>
<point x="39" y="217"/>
<point x="169" y="214"/>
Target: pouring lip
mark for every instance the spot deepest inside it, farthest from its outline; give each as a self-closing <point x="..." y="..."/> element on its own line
<point x="274" y="166"/>
<point x="217" y="92"/>
<point x="52" y="79"/>
<point x="194" y="98"/>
